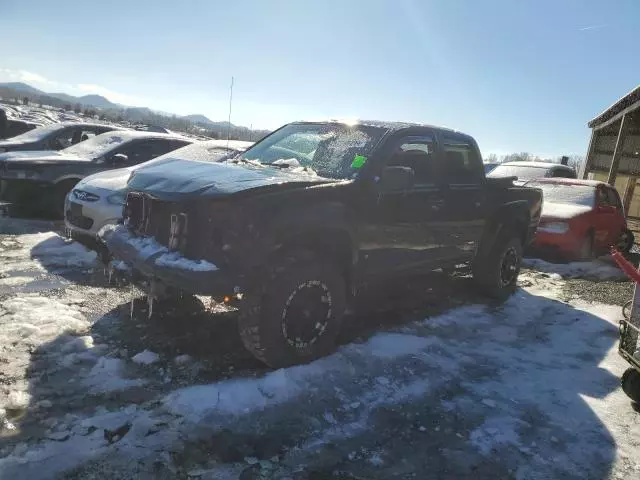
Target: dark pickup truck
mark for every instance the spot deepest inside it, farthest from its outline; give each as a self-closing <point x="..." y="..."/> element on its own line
<point x="295" y="224"/>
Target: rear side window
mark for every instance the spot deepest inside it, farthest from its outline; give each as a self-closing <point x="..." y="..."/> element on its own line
<point x="418" y="154"/>
<point x="462" y="164"/>
<point x="562" y="173"/>
<point x="613" y="198"/>
<point x="65" y="138"/>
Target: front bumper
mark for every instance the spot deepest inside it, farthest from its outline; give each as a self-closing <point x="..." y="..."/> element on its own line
<point x="156" y="262"/>
<point x="88" y="218"/>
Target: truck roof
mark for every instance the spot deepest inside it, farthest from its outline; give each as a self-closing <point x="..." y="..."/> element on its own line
<point x="390" y="126"/>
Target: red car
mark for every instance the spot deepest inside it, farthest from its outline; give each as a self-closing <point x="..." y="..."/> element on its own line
<point x="580" y="218"/>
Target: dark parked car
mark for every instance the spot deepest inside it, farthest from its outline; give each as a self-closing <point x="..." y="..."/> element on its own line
<point x="296" y="224"/>
<point x="55" y="136"/>
<point x="43" y="178"/>
<point x="526" y="171"/>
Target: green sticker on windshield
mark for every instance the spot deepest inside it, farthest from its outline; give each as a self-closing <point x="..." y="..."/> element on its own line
<point x="358" y="161"/>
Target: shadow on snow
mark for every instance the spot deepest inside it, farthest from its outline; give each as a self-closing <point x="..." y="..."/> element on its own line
<point x="473" y="392"/>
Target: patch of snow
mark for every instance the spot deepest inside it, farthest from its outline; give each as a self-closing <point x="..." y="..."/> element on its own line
<point x="17" y="400"/>
<point x="175" y="260"/>
<point x="51" y="250"/>
<point x="120" y="266"/>
<point x="14" y="281"/>
<point x="146" y="357"/>
<point x="107" y="376"/>
<point x="596" y="269"/>
<point x="28" y="323"/>
<point x="78" y="344"/>
<point x="182" y="359"/>
<point x="376" y="460"/>
<point x="391" y="345"/>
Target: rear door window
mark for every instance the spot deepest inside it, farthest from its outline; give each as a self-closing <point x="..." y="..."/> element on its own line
<point x="64" y="138"/>
<point x="613" y="198"/>
<point x="562" y="173"/>
<point x="461" y="164"/>
<point x="138" y="152"/>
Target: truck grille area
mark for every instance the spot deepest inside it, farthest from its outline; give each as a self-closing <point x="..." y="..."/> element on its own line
<point x="165" y="221"/>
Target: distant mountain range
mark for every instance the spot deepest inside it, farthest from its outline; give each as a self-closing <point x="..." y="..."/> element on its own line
<point x="98" y="101"/>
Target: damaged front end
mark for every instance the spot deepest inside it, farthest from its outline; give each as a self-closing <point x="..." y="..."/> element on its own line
<point x="173" y="245"/>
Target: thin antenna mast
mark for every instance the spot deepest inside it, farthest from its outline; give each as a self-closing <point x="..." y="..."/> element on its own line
<point x="230" y="102"/>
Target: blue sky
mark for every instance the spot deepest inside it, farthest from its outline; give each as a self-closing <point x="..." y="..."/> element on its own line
<point x="518" y="75"/>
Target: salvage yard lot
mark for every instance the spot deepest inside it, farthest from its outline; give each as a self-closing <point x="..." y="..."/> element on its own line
<point x="429" y="381"/>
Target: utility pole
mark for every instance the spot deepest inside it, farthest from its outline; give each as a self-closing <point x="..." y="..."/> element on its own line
<point x="229" y="122"/>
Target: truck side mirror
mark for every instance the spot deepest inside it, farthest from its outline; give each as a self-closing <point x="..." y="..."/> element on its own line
<point x="394" y="179"/>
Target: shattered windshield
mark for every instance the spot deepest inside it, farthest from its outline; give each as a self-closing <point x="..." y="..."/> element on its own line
<point x="329" y="150"/>
<point x="97" y="146"/>
<point x="37" y="134"/>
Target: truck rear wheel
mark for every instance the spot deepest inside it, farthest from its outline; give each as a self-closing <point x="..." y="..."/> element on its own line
<point x="296" y="315"/>
<point x="496" y="272"/>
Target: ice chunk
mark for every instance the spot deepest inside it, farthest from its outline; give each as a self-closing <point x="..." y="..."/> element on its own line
<point x="176" y="260"/>
<point x="146" y="357"/>
<point x="106" y="376"/>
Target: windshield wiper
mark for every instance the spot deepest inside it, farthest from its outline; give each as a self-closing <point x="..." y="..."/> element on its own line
<point x="237" y="160"/>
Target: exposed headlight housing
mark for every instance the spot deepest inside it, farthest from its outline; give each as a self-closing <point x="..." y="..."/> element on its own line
<point x="117" y="198"/>
<point x="554" y="227"/>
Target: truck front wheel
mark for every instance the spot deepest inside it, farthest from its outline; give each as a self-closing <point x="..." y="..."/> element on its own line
<point x="296" y="314"/>
<point x="496" y="272"/>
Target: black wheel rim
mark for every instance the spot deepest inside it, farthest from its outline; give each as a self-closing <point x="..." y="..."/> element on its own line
<point x="306" y="314"/>
<point x="509" y="267"/>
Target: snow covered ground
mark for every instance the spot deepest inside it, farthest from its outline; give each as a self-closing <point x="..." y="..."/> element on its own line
<point x="526" y="390"/>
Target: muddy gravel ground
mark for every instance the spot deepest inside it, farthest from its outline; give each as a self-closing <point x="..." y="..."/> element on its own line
<point x="430" y="380"/>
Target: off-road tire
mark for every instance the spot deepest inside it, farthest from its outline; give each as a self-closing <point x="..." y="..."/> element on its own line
<point x="630" y="383"/>
<point x="490" y="270"/>
<point x="265" y="309"/>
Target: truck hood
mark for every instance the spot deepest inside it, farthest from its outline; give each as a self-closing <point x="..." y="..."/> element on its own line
<point x="39" y="156"/>
<point x="563" y="211"/>
<point x="179" y="178"/>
